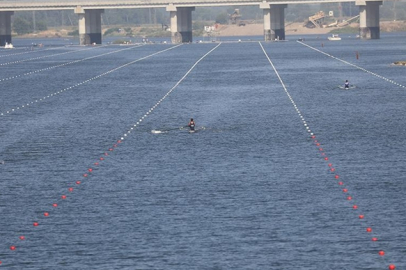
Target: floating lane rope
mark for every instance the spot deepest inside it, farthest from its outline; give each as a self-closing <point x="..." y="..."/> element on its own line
<point x="86" y="81"/>
<point x="64" y="64"/>
<point x="42" y="57"/>
<point x="167" y="94"/>
<point x="86" y="175"/>
<point x="353" y="65"/>
<point x="324" y="155"/>
<point x="31" y="51"/>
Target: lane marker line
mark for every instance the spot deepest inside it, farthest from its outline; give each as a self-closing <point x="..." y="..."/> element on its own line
<point x="64" y="198"/>
<point x="31" y="51"/>
<point x="45" y="56"/>
<point x="64" y="64"/>
<point x="98" y="76"/>
<point x="349" y="198"/>
<point x="353" y="65"/>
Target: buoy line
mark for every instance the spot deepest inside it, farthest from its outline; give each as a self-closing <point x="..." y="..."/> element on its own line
<point x="45" y="56"/>
<point x="353" y="65"/>
<point x="19" y="53"/>
<point x="167" y="94"/>
<point x="85" y="175"/>
<point x="83" y="82"/>
<point x="65" y="64"/>
<point x="331" y="168"/>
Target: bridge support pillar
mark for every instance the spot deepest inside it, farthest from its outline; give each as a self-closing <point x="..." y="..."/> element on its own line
<point x="89" y="26"/>
<point x="181" y="24"/>
<point x="274" y="21"/>
<point x="369" y="19"/>
<point x="5" y="27"/>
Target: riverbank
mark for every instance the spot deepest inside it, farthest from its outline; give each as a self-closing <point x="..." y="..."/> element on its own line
<point x="299" y="29"/>
<point x="254" y="29"/>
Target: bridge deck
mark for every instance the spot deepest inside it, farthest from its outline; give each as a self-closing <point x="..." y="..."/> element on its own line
<point x="20" y="5"/>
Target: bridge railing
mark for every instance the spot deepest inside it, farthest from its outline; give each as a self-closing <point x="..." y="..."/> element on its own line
<point x="20" y="5"/>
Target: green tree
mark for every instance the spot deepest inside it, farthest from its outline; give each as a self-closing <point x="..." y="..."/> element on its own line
<point x="21" y="26"/>
<point x="41" y="26"/>
<point x="222" y="18"/>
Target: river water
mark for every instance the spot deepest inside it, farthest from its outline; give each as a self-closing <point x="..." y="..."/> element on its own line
<point x="264" y="183"/>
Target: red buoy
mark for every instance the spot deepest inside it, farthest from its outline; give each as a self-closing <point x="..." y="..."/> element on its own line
<point x="78" y="182"/>
<point x="101" y="158"/>
<point x="330" y="164"/>
<point x="35" y="224"/>
<point x="361" y="216"/>
<point x="374" y="239"/>
<point x="63" y="197"/>
<point x="96" y="163"/>
<point x="369" y="229"/>
<point x="326" y="158"/>
<point x="355" y="206"/>
<point x="85" y="175"/>
<point x="90" y="169"/>
<point x="55" y="205"/>
<point x="381" y="252"/>
<point x="22" y="237"/>
<point x="345" y="190"/>
<point x="46" y="214"/>
<point x="70" y="189"/>
<point x="332" y="169"/>
<point x="392" y="267"/>
<point x="349" y="198"/>
<point x="336" y="176"/>
<point x="340" y="183"/>
<point x="13" y="248"/>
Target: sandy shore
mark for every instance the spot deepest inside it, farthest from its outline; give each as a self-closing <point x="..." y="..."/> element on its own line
<point x="299" y="29"/>
<point x="258" y="30"/>
<point x="249" y="29"/>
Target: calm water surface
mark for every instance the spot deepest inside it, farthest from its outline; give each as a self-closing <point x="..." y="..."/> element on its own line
<point x="249" y="190"/>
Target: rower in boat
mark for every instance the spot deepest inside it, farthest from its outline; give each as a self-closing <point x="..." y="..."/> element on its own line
<point x="191" y="125"/>
<point x="347" y="84"/>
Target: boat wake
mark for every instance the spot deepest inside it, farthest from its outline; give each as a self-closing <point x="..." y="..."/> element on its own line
<point x="351" y="87"/>
<point x="164" y="131"/>
<point x="154" y="131"/>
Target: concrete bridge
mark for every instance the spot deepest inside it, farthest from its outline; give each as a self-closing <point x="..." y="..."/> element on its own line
<point x="180" y="11"/>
